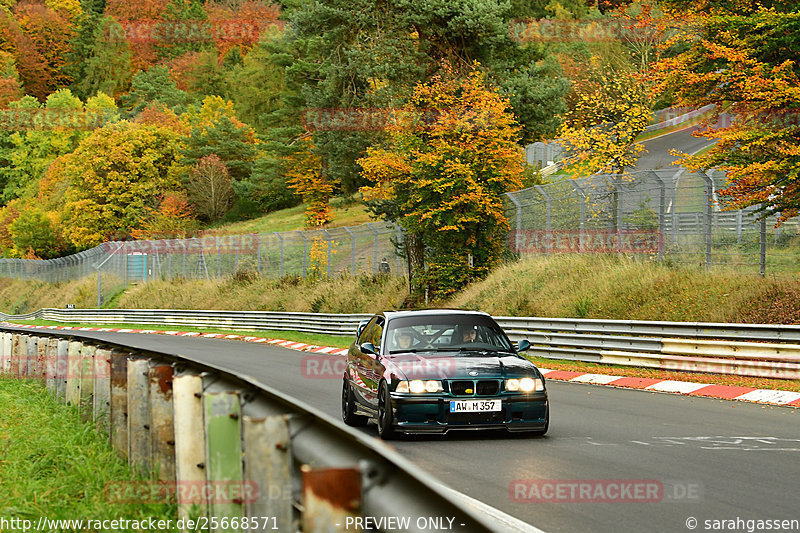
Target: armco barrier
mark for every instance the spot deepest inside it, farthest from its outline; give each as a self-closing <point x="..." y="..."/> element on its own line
<point x="281" y="464"/>
<point x="693" y="346"/>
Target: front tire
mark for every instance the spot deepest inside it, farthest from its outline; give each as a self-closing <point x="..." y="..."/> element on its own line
<point x="349" y="415"/>
<point x="386" y="430"/>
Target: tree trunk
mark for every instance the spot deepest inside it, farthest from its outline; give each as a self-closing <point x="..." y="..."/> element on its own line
<point x="415" y="253"/>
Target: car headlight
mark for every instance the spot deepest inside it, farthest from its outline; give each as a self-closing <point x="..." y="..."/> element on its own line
<point x="418" y="386"/>
<point x="524" y="384"/>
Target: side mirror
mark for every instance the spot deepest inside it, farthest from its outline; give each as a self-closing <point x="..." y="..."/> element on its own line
<point x="523" y="345"/>
<point x="369" y="348"/>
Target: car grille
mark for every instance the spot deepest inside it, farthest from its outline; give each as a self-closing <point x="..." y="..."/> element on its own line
<point x="485" y="387"/>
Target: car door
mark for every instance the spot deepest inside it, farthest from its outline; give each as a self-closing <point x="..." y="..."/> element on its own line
<point x="369" y="369"/>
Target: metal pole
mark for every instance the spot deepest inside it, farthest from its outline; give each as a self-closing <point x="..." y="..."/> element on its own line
<point x="582" y="224"/>
<point x="328" y="235"/>
<point x="518" y="236"/>
<point x="709" y="191"/>
<point x="662" y="213"/>
<point x="548" y="244"/>
<point x="739" y="226"/>
<point x="305" y="252"/>
<point x="352" y="250"/>
<point x="375" y="259"/>
<point x="258" y="253"/>
<point x="280" y="238"/>
<point x="763" y="246"/>
<point x="219" y="257"/>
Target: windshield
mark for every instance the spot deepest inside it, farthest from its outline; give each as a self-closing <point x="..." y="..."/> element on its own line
<point x="445" y="333"/>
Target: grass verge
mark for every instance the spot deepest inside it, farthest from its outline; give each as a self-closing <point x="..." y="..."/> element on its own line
<point x="59" y="469"/>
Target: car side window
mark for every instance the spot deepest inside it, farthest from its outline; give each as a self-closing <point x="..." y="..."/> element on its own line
<point x="365" y="333"/>
<point x="376" y="334"/>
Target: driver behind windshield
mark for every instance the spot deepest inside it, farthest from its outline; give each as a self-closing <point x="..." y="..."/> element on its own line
<point x="403" y="339"/>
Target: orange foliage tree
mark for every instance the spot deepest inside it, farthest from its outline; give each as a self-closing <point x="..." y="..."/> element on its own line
<point x="305" y="175"/>
<point x="441" y="177"/>
<point x="743" y="61"/>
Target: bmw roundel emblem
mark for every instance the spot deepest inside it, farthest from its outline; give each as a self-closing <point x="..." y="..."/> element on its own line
<point x="473" y="373"/>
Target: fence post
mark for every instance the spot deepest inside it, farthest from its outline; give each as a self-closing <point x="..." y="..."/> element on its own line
<point x="375" y="258"/>
<point x="305" y="251"/>
<point x="219" y="257"/>
<point x="662" y="213"/>
<point x="548" y="243"/>
<point x="352" y="250"/>
<point x="707" y="210"/>
<point x="518" y="207"/>
<point x="328" y="235"/>
<point x="581" y="194"/>
<point x="763" y="246"/>
<point x="258" y="253"/>
<point x="280" y="238"/>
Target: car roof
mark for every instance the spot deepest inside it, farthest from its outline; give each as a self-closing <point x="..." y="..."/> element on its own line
<point x="431" y="312"/>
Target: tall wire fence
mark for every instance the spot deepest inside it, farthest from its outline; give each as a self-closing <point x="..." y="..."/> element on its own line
<point x="368" y="248"/>
<point x="665" y="215"/>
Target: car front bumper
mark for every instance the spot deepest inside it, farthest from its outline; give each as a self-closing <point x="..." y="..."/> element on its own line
<point x="431" y="413"/>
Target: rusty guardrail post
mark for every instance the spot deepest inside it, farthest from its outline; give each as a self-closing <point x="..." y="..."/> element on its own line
<point x="5" y="364"/>
<point x="119" y="402"/>
<point x="101" y="405"/>
<point x="62" y="367"/>
<point x="51" y="365"/>
<point x="223" y="461"/>
<point x="87" y="381"/>
<point x="41" y="357"/>
<point x="268" y="466"/>
<point x="190" y="442"/>
<point x="331" y="498"/>
<point x="73" y="392"/>
<point x="139" y="442"/>
<point x="162" y="431"/>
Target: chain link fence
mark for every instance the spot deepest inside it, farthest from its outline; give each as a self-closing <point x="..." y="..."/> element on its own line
<point x="327" y="252"/>
<point x="667" y="215"/>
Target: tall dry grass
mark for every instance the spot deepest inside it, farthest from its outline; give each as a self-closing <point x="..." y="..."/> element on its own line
<point x="605" y="287"/>
<point x="345" y="294"/>
<point x="611" y="287"/>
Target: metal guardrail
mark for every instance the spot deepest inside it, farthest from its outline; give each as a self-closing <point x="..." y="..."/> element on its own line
<point x="268" y="459"/>
<point x="692" y="346"/>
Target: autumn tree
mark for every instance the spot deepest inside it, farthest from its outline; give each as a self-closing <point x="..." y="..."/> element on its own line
<point x="742" y="58"/>
<point x="599" y="132"/>
<point x="34" y="236"/>
<point x="304" y="174"/>
<point x="114" y="175"/>
<point x="442" y="175"/>
<point x="210" y="189"/>
<point x="40" y="38"/>
<point x="172" y="219"/>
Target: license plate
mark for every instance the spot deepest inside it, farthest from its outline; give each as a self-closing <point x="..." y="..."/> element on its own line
<point x="475" y="406"/>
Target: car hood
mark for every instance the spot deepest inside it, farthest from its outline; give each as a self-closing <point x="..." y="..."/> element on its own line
<point x="450" y="366"/>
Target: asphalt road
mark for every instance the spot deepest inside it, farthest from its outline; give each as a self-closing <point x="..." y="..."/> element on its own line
<point x="658" y="149"/>
<point x="709" y="459"/>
